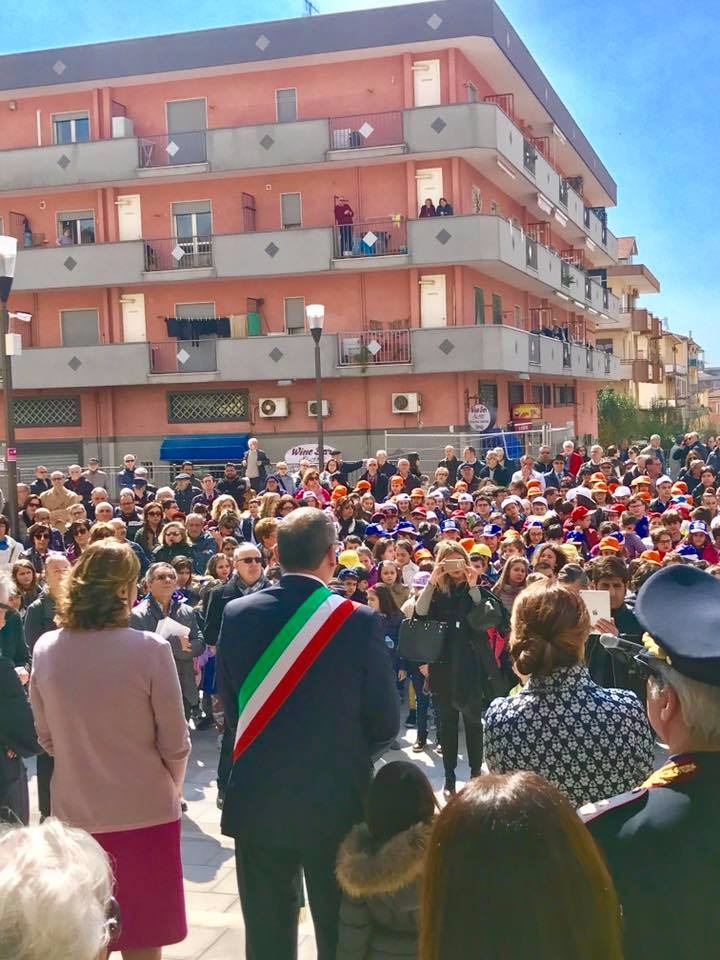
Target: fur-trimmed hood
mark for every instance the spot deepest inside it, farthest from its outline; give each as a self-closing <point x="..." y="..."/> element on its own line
<point x="364" y="870"/>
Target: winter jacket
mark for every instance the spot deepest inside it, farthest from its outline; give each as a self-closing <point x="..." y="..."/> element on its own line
<point x="146" y="616"/>
<point x="380" y="907"/>
<point x="39" y="619"/>
<point x="202" y="549"/>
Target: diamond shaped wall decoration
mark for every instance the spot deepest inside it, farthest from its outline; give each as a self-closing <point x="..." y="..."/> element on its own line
<point x="59" y="67"/>
<point x="262" y="42"/>
<point x="272" y="249"/>
<point x="183" y="356"/>
<point x="370" y="239"/>
<point x="374" y="347"/>
<point x="172" y="148"/>
<point x="366" y="129"/>
<point x="70" y="264"/>
<point x="63" y="162"/>
<point x="434" y="21"/>
<point x="443" y="237"/>
<point x="447" y="347"/>
<point x="276" y="355"/>
<point x="178" y="252"/>
<point x="74" y="363"/>
<point x="438" y="125"/>
<point x="266" y="142"/>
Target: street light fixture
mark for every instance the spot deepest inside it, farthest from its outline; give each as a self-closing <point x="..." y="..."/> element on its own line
<point x="8" y="256"/>
<point x="315" y="313"/>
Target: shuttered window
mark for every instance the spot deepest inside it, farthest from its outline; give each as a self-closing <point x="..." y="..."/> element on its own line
<point x="479" y="305"/>
<point x="80" y="328"/>
<point x="286" y="104"/>
<point x="294" y="314"/>
<point x="291" y="210"/>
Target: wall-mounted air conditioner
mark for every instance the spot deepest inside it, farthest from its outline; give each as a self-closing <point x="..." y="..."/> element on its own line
<point x="273" y="407"/>
<point x="406" y="403"/>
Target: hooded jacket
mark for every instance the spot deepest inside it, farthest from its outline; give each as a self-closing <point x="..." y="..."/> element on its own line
<point x="380" y="906"/>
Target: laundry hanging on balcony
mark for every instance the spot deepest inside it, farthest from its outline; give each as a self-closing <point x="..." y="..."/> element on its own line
<point x="181" y="328"/>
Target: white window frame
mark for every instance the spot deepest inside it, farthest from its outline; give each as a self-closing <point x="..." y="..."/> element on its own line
<point x="60" y="215"/>
<point x="292" y="330"/>
<point x="72" y="116"/>
<point x="63" y="310"/>
<point x="291" y="193"/>
<point x="277" y="112"/>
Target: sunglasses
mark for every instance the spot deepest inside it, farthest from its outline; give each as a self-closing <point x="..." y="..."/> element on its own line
<point x="250" y="560"/>
<point x="154" y="513"/>
<point x="42" y="536"/>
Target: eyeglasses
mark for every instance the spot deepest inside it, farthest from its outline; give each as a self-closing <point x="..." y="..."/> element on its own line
<point x="250" y="560"/>
<point x="113" y="921"/>
<point x="154" y="513"/>
<point x="42" y="536"/>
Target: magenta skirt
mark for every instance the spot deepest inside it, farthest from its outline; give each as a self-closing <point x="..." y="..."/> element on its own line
<point x="148" y="886"/>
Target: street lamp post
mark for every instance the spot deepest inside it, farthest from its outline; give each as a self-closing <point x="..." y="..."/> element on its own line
<point x="315" y="313"/>
<point x="8" y="255"/>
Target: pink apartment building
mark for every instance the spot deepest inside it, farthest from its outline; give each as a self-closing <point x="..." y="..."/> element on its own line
<point x="174" y="197"/>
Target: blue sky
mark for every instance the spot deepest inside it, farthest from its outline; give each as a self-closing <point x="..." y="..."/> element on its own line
<point x="642" y="79"/>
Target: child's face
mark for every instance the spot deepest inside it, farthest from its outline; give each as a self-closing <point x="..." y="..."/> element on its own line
<point x="350" y="587"/>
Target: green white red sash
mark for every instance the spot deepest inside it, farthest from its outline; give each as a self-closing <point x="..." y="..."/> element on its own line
<point x="285" y="662"/>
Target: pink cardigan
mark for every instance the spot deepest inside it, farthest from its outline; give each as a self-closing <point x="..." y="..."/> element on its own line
<point x="108" y="707"/>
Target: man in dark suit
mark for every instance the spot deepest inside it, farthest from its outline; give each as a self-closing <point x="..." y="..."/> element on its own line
<point x="17" y="739"/>
<point x="557" y="473"/>
<point x="661" y="841"/>
<point x="316" y="709"/>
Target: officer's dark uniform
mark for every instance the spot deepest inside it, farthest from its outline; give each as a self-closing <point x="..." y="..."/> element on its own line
<point x="662" y="841"/>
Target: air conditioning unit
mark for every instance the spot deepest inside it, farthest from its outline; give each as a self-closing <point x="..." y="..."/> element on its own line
<point x="273" y="406"/>
<point x="312" y="408"/>
<point x="406" y="403"/>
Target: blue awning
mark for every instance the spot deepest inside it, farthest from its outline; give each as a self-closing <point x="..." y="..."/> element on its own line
<point x="205" y="447"/>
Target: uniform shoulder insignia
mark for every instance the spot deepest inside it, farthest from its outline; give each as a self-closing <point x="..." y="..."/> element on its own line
<point x="591" y="811"/>
<point x="676" y="771"/>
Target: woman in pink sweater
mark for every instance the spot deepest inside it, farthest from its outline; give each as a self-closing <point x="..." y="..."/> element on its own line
<point x="108" y="708"/>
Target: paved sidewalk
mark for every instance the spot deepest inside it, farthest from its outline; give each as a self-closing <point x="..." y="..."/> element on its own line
<point x="215" y="923"/>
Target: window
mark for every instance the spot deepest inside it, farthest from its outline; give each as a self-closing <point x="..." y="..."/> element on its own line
<point x="286" y="104"/>
<point x="71" y="127"/>
<point x="547" y="395"/>
<point x="47" y="411"/>
<point x="488" y="394"/>
<point x="516" y="393"/>
<point x="564" y="396"/>
<point x="208" y="406"/>
<point x="542" y="394"/>
<point x="472" y="92"/>
<point x="479" y="305"/>
<point x="195" y="311"/>
<point x="537" y="393"/>
<point x="497" y="308"/>
<point x="75" y="226"/>
<point x="294" y="314"/>
<point x="193" y="231"/>
<point x="80" y="328"/>
<point x="290" y="210"/>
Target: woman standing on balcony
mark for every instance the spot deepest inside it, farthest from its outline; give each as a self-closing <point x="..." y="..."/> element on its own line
<point x="344" y="216"/>
<point x="427" y="209"/>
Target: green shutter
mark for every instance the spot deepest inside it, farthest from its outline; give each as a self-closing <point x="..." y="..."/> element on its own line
<point x="479" y="305"/>
<point x="497" y="308"/>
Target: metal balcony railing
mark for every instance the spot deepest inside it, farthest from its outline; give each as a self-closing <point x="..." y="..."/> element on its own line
<point x="183" y="356"/>
<point x="386" y="236"/>
<point x="563" y="192"/>
<point x="172" y="149"/>
<point x="374" y="347"/>
<point x="366" y="130"/>
<point x="178" y="253"/>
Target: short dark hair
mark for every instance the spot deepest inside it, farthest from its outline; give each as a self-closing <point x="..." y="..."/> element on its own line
<point x="304" y="537"/>
<point x="399" y="796"/>
<point x="605" y="568"/>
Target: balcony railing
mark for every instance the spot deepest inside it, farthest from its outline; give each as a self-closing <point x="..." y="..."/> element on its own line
<point x="386" y="236"/>
<point x="531" y="253"/>
<point x="178" y="253"/>
<point x="374" y="347"/>
<point x="563" y="192"/>
<point x="366" y="130"/>
<point x="183" y="356"/>
<point x="172" y="149"/>
<point x="529" y="156"/>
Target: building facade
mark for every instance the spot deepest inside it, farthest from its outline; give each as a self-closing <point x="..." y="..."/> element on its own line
<point x="175" y="199"/>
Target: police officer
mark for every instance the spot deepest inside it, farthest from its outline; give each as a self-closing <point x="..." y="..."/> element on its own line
<point x="662" y="840"/>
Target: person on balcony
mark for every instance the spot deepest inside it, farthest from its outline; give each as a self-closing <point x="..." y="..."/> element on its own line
<point x="344" y="217"/>
<point x="444" y="208"/>
<point x="427" y="209"/>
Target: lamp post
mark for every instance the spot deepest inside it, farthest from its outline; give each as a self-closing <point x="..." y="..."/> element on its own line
<point x="8" y="255"/>
<point x="315" y="313"/>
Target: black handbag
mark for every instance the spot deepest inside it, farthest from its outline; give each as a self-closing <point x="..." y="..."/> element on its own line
<point x="422" y="641"/>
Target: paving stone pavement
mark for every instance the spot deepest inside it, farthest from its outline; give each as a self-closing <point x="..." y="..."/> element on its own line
<point x="215" y="923"/>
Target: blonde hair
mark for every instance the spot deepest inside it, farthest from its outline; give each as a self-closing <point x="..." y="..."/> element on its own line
<point x="170" y="525"/>
<point x="222" y="504"/>
<point x="55" y="884"/>
<point x="269" y="504"/>
<point x="445" y="549"/>
<point x="548" y="629"/>
<point x="88" y="598"/>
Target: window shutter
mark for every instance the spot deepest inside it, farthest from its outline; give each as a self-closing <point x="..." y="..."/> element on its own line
<point x="479" y="305"/>
<point x="291" y="210"/>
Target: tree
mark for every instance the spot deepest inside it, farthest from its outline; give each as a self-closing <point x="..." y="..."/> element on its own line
<point x="619" y="418"/>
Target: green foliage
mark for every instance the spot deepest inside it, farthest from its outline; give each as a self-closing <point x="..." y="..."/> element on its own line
<point x="620" y="418"/>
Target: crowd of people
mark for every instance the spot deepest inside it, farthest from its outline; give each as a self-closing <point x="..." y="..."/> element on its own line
<point x="176" y="592"/>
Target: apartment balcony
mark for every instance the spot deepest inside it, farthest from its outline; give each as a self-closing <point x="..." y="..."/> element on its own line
<point x="82" y="265"/>
<point x="676" y="369"/>
<point x="641" y="371"/>
<point x="483" y="133"/>
<point x="379" y="243"/>
<point x="276" y="357"/>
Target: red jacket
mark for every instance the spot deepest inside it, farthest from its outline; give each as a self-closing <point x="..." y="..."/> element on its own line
<point x="343" y="213"/>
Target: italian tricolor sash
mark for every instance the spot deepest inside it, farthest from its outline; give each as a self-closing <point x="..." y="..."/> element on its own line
<point x="285" y="661"/>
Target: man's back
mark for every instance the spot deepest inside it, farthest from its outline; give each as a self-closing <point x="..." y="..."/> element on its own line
<point x="305" y="775"/>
